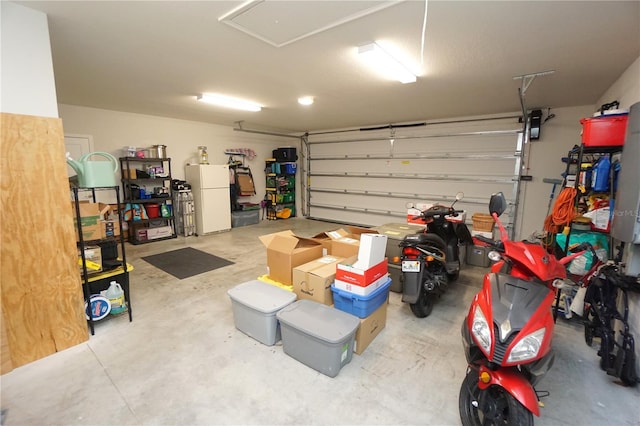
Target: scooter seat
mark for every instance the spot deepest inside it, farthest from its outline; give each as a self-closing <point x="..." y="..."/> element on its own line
<point x="423" y="239"/>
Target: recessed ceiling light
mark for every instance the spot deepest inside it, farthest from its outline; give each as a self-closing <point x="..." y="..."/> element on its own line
<point x="382" y="62"/>
<point x="229" y="102"/>
<point x="305" y="100"/>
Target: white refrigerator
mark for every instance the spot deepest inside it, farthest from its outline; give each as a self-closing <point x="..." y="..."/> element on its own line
<point x="210" y="188"/>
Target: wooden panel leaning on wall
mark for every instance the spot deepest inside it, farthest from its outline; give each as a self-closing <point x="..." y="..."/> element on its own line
<point x="42" y="304"/>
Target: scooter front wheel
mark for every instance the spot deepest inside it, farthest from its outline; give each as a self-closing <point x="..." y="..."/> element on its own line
<point x="424" y="305"/>
<point x="491" y="406"/>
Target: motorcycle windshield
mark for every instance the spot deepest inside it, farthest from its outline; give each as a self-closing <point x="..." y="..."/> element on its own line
<point x="514" y="302"/>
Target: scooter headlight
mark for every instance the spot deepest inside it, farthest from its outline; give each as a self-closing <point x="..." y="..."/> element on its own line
<point x="494" y="255"/>
<point x="528" y="347"/>
<point x="481" y="330"/>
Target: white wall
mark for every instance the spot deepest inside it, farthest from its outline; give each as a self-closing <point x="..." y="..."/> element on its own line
<point x="27" y="85"/>
<point x="626" y="89"/>
<point x="112" y="131"/>
<point x="557" y="137"/>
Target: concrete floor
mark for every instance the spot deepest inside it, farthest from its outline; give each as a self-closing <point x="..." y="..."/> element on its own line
<point x="182" y="362"/>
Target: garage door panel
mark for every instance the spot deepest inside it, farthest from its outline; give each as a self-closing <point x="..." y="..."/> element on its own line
<point x="437" y="188"/>
<point x="455" y="166"/>
<point x="370" y="177"/>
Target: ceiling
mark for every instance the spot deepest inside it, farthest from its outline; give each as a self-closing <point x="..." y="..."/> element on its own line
<point x="154" y="58"/>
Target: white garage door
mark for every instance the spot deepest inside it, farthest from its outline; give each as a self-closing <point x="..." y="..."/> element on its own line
<point x="370" y="176"/>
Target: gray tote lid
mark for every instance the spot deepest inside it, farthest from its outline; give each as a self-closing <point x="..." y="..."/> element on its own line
<point x="261" y="296"/>
<point x="320" y="321"/>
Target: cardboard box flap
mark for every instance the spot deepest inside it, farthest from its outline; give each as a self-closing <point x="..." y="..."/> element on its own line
<point x="356" y="231"/>
<point x="286" y="242"/>
<point x="283" y="244"/>
<point x="266" y="239"/>
<point x="337" y="234"/>
<point x="306" y="242"/>
<point x="104" y="208"/>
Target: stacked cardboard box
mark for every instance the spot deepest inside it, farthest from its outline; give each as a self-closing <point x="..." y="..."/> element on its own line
<point x="342" y="242"/>
<point x="313" y="280"/>
<point x="97" y="220"/>
<point x="310" y="267"/>
<point x="285" y="251"/>
<point x="361" y="288"/>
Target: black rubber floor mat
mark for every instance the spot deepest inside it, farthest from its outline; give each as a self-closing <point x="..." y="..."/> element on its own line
<point x="186" y="262"/>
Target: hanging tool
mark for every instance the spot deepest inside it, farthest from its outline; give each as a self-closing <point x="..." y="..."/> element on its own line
<point x="555" y="183"/>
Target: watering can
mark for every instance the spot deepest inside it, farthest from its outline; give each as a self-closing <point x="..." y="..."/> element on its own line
<point x="95" y="174"/>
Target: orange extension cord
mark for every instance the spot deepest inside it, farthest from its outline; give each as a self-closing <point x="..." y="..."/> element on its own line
<point x="563" y="212"/>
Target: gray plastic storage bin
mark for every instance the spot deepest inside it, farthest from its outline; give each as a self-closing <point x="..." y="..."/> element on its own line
<point x="478" y="256"/>
<point x="395" y="233"/>
<point x="254" y="305"/>
<point x="318" y="336"/>
<point x="244" y="218"/>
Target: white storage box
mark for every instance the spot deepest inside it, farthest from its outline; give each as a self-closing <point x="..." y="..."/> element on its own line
<point x="318" y="336"/>
<point x="254" y="305"/>
<point x="361" y="290"/>
<point x="371" y="250"/>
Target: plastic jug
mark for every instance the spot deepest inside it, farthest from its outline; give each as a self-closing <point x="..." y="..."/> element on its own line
<point x="115" y="294"/>
<point x="600" y="177"/>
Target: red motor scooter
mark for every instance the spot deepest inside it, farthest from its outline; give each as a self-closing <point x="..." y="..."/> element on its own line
<point x="508" y="330"/>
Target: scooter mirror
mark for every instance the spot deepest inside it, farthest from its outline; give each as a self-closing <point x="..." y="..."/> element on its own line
<point x="459" y="196"/>
<point x="497" y="203"/>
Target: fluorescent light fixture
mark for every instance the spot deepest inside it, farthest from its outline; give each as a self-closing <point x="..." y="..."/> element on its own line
<point x="384" y="63"/>
<point x="305" y="100"/>
<point x="228" y="102"/>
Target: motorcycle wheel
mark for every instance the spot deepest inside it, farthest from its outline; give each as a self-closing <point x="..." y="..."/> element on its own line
<point x="424" y="305"/>
<point x="506" y="410"/>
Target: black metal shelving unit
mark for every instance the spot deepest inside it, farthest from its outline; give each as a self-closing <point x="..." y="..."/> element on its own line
<point x="94" y="283"/>
<point x="131" y="176"/>
<point x="574" y="168"/>
<point x="280" y="188"/>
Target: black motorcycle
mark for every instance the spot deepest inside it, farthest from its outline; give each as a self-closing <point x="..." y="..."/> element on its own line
<point x="431" y="258"/>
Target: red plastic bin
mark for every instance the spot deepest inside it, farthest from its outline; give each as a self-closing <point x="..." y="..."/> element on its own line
<point x="605" y="130"/>
<point x="153" y="210"/>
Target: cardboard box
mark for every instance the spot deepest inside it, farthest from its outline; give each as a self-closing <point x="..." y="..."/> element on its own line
<point x="349" y="237"/>
<point x="369" y="328"/>
<point x="313" y="280"/>
<point x="93" y="259"/>
<point x="345" y="247"/>
<point x="159" y="232"/>
<point x="483" y="233"/>
<point x="89" y="221"/>
<point x="245" y="182"/>
<point x="347" y="272"/>
<point x="345" y="242"/>
<point x="323" y="239"/>
<point x="285" y="251"/>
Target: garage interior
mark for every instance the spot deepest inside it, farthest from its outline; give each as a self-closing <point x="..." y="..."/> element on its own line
<point x="501" y="93"/>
